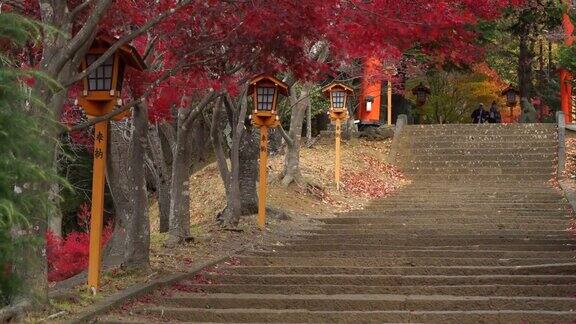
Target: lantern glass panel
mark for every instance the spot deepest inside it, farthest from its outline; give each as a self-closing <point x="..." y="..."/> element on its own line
<point x="101" y="78"/>
<point x="511" y="97"/>
<point x="338" y="99"/>
<point x="421" y="95"/>
<point x="265" y="98"/>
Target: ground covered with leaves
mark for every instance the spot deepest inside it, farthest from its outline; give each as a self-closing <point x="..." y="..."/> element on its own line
<point x="365" y="176"/>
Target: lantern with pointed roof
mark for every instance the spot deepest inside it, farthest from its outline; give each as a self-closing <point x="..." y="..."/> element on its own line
<point x="265" y="90"/>
<point x="338" y="93"/>
<point x="103" y="86"/>
<point x="421" y="92"/>
<point x="511" y="95"/>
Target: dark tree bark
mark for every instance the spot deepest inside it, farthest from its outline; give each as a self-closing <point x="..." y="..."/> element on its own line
<point x="162" y="175"/>
<point x="525" y="58"/>
<point x="117" y="177"/>
<point x="179" y="229"/>
<point x="137" y="249"/>
<point x="300" y="104"/>
<point x="248" y="175"/>
<point x="242" y="160"/>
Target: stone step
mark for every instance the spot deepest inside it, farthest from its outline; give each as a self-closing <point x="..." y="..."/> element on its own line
<point x="568" y="268"/>
<point x="480" y="129"/>
<point x="565" y="256"/>
<point x="382" y="224"/>
<point x="432" y="213"/>
<point x="375" y="208"/>
<point x="355" y="221"/>
<point x="375" y="262"/>
<point x="382" y="237"/>
<point x="363" y="302"/>
<point x="479" y="171"/>
<point x="390" y="280"/>
<point x="409" y="225"/>
<point x="477" y="156"/>
<point x="447" y="227"/>
<point x="453" y="290"/>
<point x="473" y="143"/>
<point x="305" y="316"/>
<point x="374" y="246"/>
<point x="551" y="151"/>
<point x="454" y="137"/>
<point x="466" y="200"/>
<point x="479" y="164"/>
<point x="478" y="205"/>
<point x="490" y="140"/>
<point x="433" y="193"/>
<point x="496" y="179"/>
<point x="500" y="127"/>
<point x="480" y="187"/>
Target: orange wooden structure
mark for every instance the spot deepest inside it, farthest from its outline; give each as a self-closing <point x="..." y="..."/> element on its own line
<point x="565" y="75"/>
<point x="370" y="98"/>
<point x="101" y="94"/>
<point x="265" y="90"/>
<point x="511" y="95"/>
<point x="338" y="94"/>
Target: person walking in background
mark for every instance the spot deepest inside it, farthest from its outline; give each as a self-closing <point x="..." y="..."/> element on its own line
<point x="494" y="116"/>
<point x="480" y="116"/>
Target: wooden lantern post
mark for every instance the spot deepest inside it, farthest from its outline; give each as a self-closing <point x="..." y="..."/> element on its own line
<point x="390" y="71"/>
<point x="389" y="108"/>
<point x="338" y="94"/>
<point x="100" y="96"/>
<point x="565" y="75"/>
<point x="421" y="92"/>
<point x="511" y="95"/>
<point x="265" y="90"/>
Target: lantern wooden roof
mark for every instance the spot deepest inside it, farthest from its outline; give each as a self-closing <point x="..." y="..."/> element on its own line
<point x="510" y="88"/>
<point x="421" y="87"/>
<point x="283" y="88"/>
<point x="127" y="52"/>
<point x="336" y="86"/>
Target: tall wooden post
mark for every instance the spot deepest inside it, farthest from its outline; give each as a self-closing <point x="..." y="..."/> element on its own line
<point x="389" y="103"/>
<point x="511" y="114"/>
<point x="565" y="75"/>
<point x="337" y="157"/>
<point x="96" y="220"/>
<point x="263" y="180"/>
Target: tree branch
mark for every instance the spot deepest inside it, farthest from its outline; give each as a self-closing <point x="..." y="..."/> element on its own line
<point x="199" y="108"/>
<point x="126" y="39"/>
<point x="79" y="8"/>
<point x="220" y="157"/>
<point x="81" y="37"/>
<point x="285" y="136"/>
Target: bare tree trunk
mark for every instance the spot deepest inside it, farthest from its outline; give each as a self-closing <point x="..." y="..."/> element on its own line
<point x="162" y="176"/>
<point x="309" y="124"/>
<point x="137" y="249"/>
<point x="240" y="179"/>
<point x="118" y="177"/>
<point x="248" y="174"/>
<point x="300" y="104"/>
<point x="525" y="67"/>
<point x="179" y="229"/>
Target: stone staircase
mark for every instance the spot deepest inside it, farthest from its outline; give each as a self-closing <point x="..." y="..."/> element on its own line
<point x="478" y="237"/>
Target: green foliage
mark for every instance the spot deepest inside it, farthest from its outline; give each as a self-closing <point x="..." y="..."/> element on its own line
<point x="567" y="57"/>
<point x="75" y="165"/>
<point x="320" y="105"/>
<point x="24" y="155"/>
<point x="454" y="95"/>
